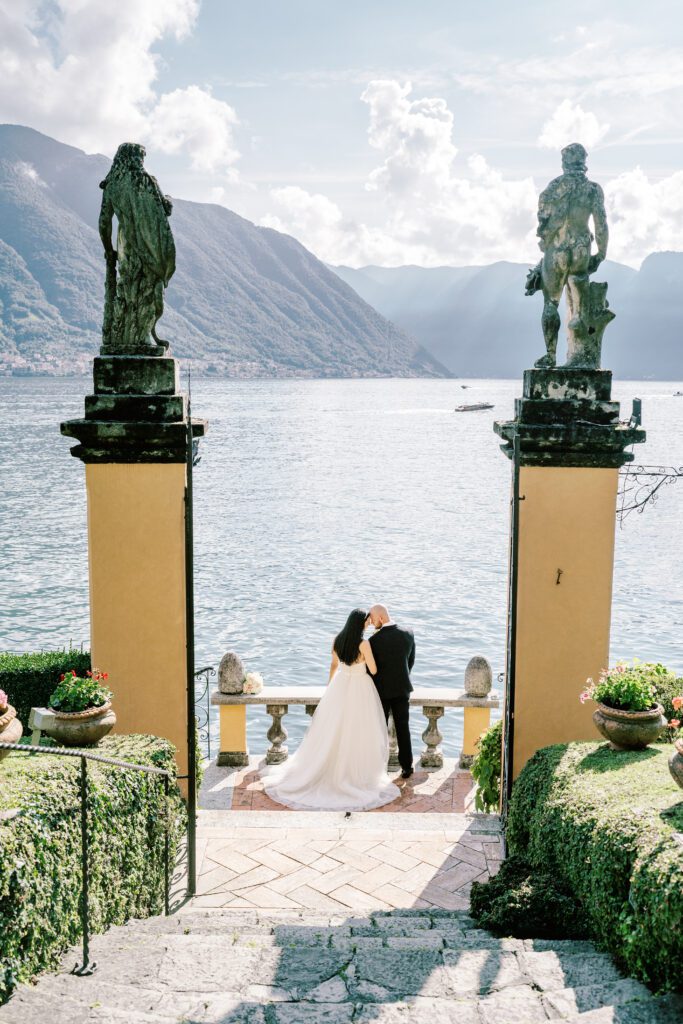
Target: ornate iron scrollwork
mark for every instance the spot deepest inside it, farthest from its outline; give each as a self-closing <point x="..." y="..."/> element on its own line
<point x="641" y="485"/>
<point x="202" y="708"/>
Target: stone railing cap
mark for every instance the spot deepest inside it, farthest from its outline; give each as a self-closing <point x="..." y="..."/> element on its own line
<point x="422" y="696"/>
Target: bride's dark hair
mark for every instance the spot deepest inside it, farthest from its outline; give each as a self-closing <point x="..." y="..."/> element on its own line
<point x="347" y="643"/>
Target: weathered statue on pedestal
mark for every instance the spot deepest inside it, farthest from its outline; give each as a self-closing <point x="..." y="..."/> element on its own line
<point x="565" y="209"/>
<point x="142" y="264"/>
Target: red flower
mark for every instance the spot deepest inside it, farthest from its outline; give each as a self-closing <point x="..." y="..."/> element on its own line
<point x="89" y="674"/>
<point x="105" y="675"/>
<point x="61" y="677"/>
<point x="73" y="672"/>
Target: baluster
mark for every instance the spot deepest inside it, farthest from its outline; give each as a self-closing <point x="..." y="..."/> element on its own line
<point x="393" y="761"/>
<point x="432" y="756"/>
<point x="277" y="734"/>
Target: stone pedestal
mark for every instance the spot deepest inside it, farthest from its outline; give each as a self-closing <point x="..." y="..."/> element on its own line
<point x="571" y="444"/>
<point x="233" y="752"/>
<point x="476" y="721"/>
<point x="133" y="440"/>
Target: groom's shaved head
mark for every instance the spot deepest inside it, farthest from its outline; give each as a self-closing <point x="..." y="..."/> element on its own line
<point x="379" y="615"/>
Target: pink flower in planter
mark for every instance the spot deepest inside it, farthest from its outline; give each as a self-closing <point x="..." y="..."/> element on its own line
<point x="4" y="699"/>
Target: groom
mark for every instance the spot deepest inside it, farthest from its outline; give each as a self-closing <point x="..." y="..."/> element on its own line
<point x="394" y="651"/>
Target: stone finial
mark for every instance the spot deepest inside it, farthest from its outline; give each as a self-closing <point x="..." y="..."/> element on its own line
<point x="231" y="674"/>
<point x="478" y="677"/>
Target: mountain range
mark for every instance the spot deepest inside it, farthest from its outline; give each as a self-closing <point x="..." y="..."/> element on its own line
<point x="248" y="301"/>
<point x="245" y="301"/>
<point x="478" y="322"/>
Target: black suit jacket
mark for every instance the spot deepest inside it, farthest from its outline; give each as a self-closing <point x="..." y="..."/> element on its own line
<point x="393" y="648"/>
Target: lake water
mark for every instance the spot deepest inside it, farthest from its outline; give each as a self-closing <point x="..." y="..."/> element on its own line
<point x="313" y="497"/>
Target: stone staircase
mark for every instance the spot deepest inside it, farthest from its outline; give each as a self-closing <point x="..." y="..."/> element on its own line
<point x="278" y="967"/>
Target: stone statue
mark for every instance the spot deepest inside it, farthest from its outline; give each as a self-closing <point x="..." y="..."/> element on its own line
<point x="143" y="262"/>
<point x="565" y="208"/>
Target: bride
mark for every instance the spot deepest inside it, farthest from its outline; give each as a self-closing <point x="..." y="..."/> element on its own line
<point x="341" y="764"/>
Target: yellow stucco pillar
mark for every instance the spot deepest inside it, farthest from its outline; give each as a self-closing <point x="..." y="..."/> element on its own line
<point x="133" y="440"/>
<point x="233" y="735"/>
<point x="476" y="721"/>
<point x="136" y="547"/>
<point x="564" y="601"/>
<point x="566" y="443"/>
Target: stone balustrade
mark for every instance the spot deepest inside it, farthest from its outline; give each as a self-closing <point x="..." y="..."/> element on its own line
<point x="277" y="700"/>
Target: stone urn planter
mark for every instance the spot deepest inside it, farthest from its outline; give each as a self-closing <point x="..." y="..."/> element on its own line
<point x="10" y="729"/>
<point x="629" y="730"/>
<point x="81" y="728"/>
<point x="676" y="763"/>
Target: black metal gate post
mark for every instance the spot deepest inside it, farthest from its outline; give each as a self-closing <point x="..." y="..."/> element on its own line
<point x="509" y="728"/>
<point x="86" y="967"/>
<point x="189" y="635"/>
<point x="167" y="843"/>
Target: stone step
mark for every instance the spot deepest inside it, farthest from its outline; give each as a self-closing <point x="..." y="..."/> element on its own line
<point x="416" y="967"/>
<point x="654" y="1010"/>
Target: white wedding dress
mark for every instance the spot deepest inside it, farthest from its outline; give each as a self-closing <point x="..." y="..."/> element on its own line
<point x="341" y="764"/>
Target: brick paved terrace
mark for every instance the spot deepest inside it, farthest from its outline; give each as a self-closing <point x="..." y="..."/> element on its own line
<point x="422" y="851"/>
<point x="448" y="789"/>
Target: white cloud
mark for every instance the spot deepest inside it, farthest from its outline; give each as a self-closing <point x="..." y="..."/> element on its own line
<point x="415" y="136"/>
<point x="571" y="123"/>
<point x="85" y="72"/>
<point x="429" y="211"/>
<point x="321" y="226"/>
<point x="644" y="216"/>
<point x="191" y="119"/>
<point x="433" y="207"/>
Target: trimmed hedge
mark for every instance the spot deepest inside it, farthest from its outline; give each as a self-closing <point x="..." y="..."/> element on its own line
<point x="40" y="849"/>
<point x="603" y="824"/>
<point x="29" y="679"/>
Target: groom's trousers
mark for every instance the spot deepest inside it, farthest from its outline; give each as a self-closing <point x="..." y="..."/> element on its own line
<point x="400" y="709"/>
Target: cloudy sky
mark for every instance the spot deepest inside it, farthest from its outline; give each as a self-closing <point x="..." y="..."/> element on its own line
<point x="375" y="131"/>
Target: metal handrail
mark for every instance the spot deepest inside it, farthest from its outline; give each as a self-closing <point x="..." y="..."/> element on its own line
<point x="87" y="966"/>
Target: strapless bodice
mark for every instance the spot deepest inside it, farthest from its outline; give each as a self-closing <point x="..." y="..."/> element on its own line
<point x="360" y="669"/>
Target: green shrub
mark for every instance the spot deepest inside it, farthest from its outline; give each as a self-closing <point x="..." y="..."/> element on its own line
<point x="526" y="903"/>
<point x="30" y="679"/>
<point x="603" y="825"/>
<point x="40" y="849"/>
<point x="486" y="768"/>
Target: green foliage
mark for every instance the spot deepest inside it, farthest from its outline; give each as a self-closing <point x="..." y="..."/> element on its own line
<point x="602" y="824"/>
<point x="486" y="768"/>
<point x="626" y="687"/>
<point x="40" y="849"/>
<point x="666" y="687"/>
<point x="29" y="679"/>
<point x="526" y="903"/>
<point x="78" y="693"/>
<point x="199" y="761"/>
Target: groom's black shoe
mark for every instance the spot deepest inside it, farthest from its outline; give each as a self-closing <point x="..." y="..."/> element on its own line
<point x="406" y="773"/>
